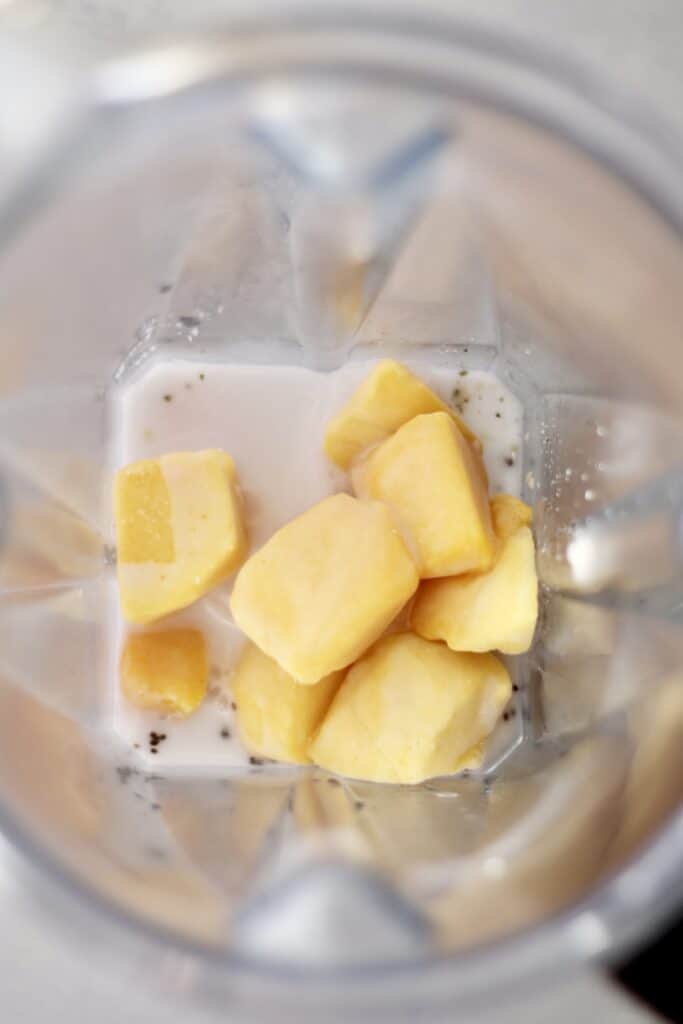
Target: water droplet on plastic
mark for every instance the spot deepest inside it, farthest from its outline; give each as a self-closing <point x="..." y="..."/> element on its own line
<point x="146" y="329"/>
<point x="568" y="473"/>
<point x="584" y="478"/>
<point x="589" y="494"/>
<point x="601" y="431"/>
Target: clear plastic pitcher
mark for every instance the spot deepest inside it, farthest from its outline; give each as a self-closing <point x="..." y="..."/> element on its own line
<point x="315" y="192"/>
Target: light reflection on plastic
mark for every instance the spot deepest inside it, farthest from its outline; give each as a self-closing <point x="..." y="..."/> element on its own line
<point x="591" y="934"/>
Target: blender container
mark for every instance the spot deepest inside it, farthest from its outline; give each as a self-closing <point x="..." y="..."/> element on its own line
<point x="313" y="192"/>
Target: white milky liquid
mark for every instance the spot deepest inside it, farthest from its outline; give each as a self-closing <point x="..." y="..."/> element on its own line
<point x="271" y="419"/>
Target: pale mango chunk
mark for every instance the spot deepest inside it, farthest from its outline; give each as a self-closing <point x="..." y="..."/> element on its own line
<point x="388" y="397"/>
<point x="429" y="477"/>
<point x="508" y="514"/>
<point x="166" y="671"/>
<point x="496" y="610"/>
<point x="277" y="715"/>
<point x="180" y="530"/>
<point x="325" y="586"/>
<point x="411" y="709"/>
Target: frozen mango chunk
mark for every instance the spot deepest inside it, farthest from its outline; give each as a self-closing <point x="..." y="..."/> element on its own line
<point x="496" y="610"/>
<point x="277" y="715"/>
<point x="143" y="514"/>
<point x="180" y="530"/>
<point x="388" y="397"/>
<point x="165" y="671"/>
<point x="325" y="586"/>
<point x="508" y="514"/>
<point x="411" y="709"/>
<point x="429" y="477"/>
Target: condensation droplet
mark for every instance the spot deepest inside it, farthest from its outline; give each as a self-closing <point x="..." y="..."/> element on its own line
<point x="589" y="494"/>
<point x="146" y="329"/>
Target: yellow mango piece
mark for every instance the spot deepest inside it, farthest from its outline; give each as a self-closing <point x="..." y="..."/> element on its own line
<point x="180" y="530"/>
<point x="325" y="586"/>
<point x="388" y="397"/>
<point x="429" y="477"/>
<point x="143" y="514"/>
<point x="411" y="709"/>
<point x="489" y="611"/>
<point x="166" y="671"/>
<point x="277" y="715"/>
<point x="508" y="514"/>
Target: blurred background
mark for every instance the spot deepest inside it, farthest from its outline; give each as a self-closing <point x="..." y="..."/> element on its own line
<point x="634" y="43"/>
